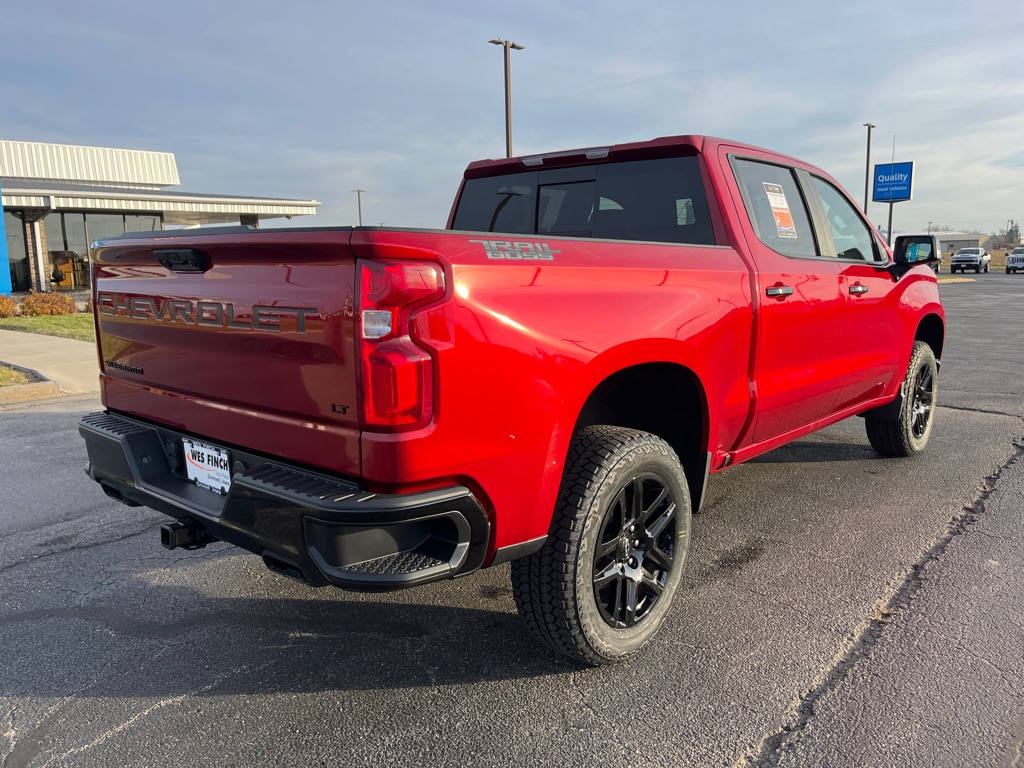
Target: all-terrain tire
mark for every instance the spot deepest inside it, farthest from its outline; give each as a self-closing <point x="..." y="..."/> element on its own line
<point x="603" y="583"/>
<point x="908" y="435"/>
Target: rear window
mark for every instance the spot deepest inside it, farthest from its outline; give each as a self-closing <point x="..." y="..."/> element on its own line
<point x="659" y="200"/>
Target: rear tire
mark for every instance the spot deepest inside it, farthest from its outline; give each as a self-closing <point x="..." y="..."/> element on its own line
<point x="603" y="583"/>
<point x="909" y="434"/>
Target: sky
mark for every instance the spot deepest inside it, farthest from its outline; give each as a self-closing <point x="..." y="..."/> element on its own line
<point x="312" y="100"/>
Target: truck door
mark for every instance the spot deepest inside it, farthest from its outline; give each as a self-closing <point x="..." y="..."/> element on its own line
<point x="800" y="307"/>
<point x="872" y="356"/>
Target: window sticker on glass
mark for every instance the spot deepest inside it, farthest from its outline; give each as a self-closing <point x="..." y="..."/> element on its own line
<point x="780" y="209"/>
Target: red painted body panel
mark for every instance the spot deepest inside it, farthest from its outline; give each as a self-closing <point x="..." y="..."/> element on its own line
<point x="516" y="347"/>
<point x="530" y="342"/>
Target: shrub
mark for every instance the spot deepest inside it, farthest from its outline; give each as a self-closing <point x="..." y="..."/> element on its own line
<point x="8" y="307"/>
<point x="36" y="304"/>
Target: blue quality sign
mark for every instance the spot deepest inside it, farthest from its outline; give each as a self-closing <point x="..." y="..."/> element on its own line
<point x="894" y="182"/>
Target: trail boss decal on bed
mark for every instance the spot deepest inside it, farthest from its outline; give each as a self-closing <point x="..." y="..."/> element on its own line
<point x="207" y="313"/>
<point x="507" y="249"/>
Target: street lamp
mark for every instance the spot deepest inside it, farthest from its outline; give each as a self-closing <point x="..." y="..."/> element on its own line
<point x="867" y="168"/>
<point x="359" y="200"/>
<point x="508" y="45"/>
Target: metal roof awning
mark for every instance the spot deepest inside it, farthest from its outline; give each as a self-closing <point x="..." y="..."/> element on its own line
<point x="186" y="208"/>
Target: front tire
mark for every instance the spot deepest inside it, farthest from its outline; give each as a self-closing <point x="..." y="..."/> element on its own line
<point x="909" y="434"/>
<point x="603" y="583"/>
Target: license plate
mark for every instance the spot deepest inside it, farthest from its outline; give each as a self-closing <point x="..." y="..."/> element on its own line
<point x="207" y="465"/>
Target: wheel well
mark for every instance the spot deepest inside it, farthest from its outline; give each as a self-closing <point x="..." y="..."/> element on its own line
<point x="661" y="398"/>
<point x="931" y="332"/>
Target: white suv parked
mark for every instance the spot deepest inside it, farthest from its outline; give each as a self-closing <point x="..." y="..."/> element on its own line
<point x="977" y="259"/>
<point x="1015" y="260"/>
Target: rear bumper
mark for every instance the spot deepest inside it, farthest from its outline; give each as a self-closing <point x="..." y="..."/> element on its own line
<point x="310" y="526"/>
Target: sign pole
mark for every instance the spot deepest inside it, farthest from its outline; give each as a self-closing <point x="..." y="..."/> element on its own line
<point x="889" y="229"/>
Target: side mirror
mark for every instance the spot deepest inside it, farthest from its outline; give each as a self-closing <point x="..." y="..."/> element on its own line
<point x="911" y="250"/>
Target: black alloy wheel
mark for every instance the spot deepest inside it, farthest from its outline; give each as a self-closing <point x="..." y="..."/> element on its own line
<point x="635" y="553"/>
<point x="924" y="400"/>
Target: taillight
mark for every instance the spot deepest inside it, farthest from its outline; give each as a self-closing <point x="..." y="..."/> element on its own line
<point x="397" y="373"/>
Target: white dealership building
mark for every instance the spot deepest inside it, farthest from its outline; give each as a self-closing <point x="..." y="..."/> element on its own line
<point x="57" y="198"/>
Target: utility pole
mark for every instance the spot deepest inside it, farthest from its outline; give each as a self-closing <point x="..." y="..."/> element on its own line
<point x="509" y="46"/>
<point x="867" y="169"/>
<point x="359" y="201"/>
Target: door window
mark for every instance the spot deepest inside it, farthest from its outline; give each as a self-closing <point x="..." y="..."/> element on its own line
<point x="850" y="234"/>
<point x="775" y="207"/>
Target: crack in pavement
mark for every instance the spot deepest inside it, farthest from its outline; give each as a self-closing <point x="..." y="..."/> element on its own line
<point x="130" y="721"/>
<point x="966" y="409"/>
<point x="77" y="548"/>
<point x="775" y="745"/>
<point x="10" y="735"/>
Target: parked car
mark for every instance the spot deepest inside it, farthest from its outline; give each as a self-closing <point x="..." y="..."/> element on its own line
<point x="1015" y="260"/>
<point x="977" y="259"/>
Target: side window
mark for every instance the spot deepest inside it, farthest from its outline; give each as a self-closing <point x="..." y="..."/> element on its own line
<point x="776" y="207"/>
<point x="498" y="204"/>
<point x="655" y="200"/>
<point x="849" y="232"/>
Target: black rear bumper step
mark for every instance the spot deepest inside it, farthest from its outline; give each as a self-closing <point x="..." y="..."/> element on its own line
<point x="314" y="527"/>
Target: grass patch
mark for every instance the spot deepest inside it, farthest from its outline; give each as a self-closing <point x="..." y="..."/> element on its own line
<point x="11" y="376"/>
<point x="77" y="327"/>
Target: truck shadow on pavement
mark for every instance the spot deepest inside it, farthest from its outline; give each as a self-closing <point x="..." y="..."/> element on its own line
<point x="814" y="450"/>
<point x="142" y="640"/>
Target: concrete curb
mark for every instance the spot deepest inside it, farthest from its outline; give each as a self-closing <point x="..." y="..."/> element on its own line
<point x="43" y="389"/>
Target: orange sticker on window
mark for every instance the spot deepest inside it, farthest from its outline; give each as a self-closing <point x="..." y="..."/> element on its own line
<point x="780" y="209"/>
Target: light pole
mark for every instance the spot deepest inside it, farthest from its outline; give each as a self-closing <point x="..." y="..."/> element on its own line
<point x="509" y="46"/>
<point x="359" y="201"/>
<point x="867" y="169"/>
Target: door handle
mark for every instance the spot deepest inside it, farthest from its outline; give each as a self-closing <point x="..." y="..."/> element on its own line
<point x="858" y="289"/>
<point x="779" y="290"/>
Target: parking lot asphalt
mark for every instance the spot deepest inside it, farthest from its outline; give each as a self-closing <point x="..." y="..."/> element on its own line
<point x="839" y="609"/>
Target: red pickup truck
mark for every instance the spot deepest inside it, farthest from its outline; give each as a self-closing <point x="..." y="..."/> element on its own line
<point x="548" y="381"/>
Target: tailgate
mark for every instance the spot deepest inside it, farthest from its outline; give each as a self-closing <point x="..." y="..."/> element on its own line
<point x="243" y="338"/>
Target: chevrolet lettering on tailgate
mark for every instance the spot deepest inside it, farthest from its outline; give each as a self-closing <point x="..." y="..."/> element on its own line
<point x="210" y="313"/>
